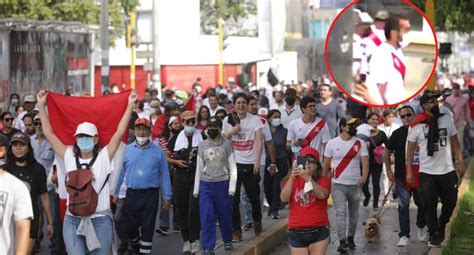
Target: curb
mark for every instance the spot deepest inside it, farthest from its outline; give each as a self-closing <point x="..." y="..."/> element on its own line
<point x="267" y="241"/>
<point x="463" y="188"/>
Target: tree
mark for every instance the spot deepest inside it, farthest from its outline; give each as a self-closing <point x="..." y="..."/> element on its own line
<point x="452" y="15"/>
<point x="233" y="12"/>
<point x="84" y="11"/>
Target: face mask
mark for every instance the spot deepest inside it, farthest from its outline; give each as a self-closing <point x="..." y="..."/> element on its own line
<point x="141" y="140"/>
<point x="162" y="109"/>
<point x="276" y="122"/>
<point x="406" y="40"/>
<point x="296" y="149"/>
<point x="290" y="100"/>
<point x="14" y="101"/>
<point x="435" y="110"/>
<point x="189" y="130"/>
<point x="213" y="133"/>
<point x="218" y="91"/>
<point x="352" y="131"/>
<point x="175" y="131"/>
<point x="85" y="144"/>
<point x="21" y="159"/>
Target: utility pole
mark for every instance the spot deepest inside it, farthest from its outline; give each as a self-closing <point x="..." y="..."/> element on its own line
<point x="104" y="38"/>
<point x="220" y="23"/>
<point x="156" y="49"/>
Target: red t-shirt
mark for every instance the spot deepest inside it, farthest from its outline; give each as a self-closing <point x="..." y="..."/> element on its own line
<point x="471" y="107"/>
<point x="306" y="210"/>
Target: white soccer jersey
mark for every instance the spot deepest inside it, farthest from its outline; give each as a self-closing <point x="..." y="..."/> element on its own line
<point x="386" y="77"/>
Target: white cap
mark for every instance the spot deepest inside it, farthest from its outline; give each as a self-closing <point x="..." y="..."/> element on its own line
<point x="365" y="18"/>
<point x="172" y="119"/>
<point x="86" y="128"/>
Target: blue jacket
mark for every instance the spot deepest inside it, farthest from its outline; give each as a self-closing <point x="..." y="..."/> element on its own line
<point x="145" y="168"/>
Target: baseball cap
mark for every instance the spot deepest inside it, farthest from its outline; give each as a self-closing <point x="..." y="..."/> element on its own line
<point x="427" y="95"/>
<point x="353" y="121"/>
<point x="30" y="99"/>
<point x="20" y="137"/>
<point x="172" y="119"/>
<point x="186" y="115"/>
<point x="214" y="123"/>
<point x="382" y="15"/>
<point x="143" y="121"/>
<point x="309" y="152"/>
<point x="86" y="128"/>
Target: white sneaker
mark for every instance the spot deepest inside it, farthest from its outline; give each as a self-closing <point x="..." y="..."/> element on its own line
<point x="187" y="247"/>
<point x="422" y="234"/>
<point x="403" y="242"/>
<point x="195" y="247"/>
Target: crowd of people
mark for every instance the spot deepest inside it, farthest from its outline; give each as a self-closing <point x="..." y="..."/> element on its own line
<point x="194" y="162"/>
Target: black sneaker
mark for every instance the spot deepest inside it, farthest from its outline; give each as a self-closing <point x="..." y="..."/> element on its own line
<point x="176" y="230"/>
<point x="228" y="247"/>
<point x="350" y="243"/>
<point x="441" y="233"/>
<point x="276" y="217"/>
<point x="248" y="226"/>
<point x="342" y="247"/>
<point x="162" y="231"/>
<point x="434" y="240"/>
<point x="366" y="201"/>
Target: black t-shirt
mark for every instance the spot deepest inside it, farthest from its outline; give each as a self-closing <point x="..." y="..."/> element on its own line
<point x="172" y="143"/>
<point x="34" y="176"/>
<point x="377" y="140"/>
<point x="9" y="135"/>
<point x="396" y="144"/>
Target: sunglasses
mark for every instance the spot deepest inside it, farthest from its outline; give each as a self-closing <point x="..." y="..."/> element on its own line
<point x="8" y="119"/>
<point x="311" y="106"/>
<point x="38" y="124"/>
<point x="405" y="115"/>
<point x="82" y="135"/>
<point x="190" y="122"/>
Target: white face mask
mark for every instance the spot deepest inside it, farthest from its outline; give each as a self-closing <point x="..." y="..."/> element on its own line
<point x="406" y="40"/>
<point x="141" y="140"/>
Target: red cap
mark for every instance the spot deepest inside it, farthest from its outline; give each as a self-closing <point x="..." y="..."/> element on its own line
<point x="308" y="151"/>
<point x="143" y="121"/>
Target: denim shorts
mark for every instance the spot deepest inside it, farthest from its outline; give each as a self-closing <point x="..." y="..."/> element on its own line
<point x="304" y="237"/>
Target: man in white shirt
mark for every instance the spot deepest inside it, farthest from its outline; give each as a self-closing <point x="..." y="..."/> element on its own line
<point x="308" y="130"/>
<point x="16" y="212"/>
<point x="436" y="136"/>
<point x="246" y="136"/>
<point x="290" y="110"/>
<point x="345" y="154"/>
<point x="278" y="97"/>
<point x="213" y="105"/>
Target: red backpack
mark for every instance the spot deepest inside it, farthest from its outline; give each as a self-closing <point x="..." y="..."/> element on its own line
<point x="82" y="196"/>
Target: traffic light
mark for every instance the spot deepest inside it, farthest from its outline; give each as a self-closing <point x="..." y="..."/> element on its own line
<point x="131" y="37"/>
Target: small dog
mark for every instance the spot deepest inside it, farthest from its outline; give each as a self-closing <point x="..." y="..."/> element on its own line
<point x="371" y="227"/>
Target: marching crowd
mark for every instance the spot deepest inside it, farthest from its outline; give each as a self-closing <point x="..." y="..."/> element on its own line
<point x="197" y="160"/>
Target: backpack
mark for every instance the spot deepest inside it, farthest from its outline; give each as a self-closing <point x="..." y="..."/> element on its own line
<point x="83" y="198"/>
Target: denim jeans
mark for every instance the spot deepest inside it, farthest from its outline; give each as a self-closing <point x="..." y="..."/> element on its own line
<point x="56" y="245"/>
<point x="246" y="202"/>
<point x="76" y="245"/>
<point x="404" y="196"/>
<point x="346" y="198"/>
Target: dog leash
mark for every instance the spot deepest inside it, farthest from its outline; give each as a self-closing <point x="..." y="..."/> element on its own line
<point x="381" y="213"/>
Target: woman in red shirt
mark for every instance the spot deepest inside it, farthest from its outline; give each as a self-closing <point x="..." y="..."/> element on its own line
<point x="307" y="191"/>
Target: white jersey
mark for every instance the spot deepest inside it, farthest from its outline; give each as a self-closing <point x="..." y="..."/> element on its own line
<point x="441" y="162"/>
<point x="288" y="116"/>
<point x="386" y="76"/>
<point x="299" y="129"/>
<point x="244" y="142"/>
<point x="357" y="54"/>
<point x="267" y="136"/>
<point x="388" y="130"/>
<point x="337" y="149"/>
<point x="369" y="44"/>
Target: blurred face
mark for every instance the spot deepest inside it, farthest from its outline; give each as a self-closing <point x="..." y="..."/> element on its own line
<point x="19" y="149"/>
<point x="253" y="109"/>
<point x="190" y="122"/>
<point x="213" y="102"/>
<point x="39" y="128"/>
<point x="204" y="114"/>
<point x="407" y="116"/>
<point x="142" y="131"/>
<point x="29" y="126"/>
<point x="430" y="104"/>
<point x="279" y="97"/>
<point x="147" y="96"/>
<point x="241" y="105"/>
<point x="456" y="92"/>
<point x="276" y="115"/>
<point x="29" y="106"/>
<point x="310" y="165"/>
<point x="405" y="26"/>
<point x="8" y="121"/>
<point x="324" y="92"/>
<point x="373" y="121"/>
<point x="389" y="119"/>
<point x="310" y="109"/>
<point x="174" y="113"/>
<point x="155" y="107"/>
<point x="175" y="125"/>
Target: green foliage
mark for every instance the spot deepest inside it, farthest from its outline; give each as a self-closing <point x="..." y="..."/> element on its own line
<point x="84" y="11"/>
<point x="233" y="12"/>
<point x="452" y="15"/>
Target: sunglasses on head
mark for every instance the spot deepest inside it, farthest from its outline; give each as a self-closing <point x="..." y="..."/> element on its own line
<point x="8" y="119"/>
<point x="405" y="115"/>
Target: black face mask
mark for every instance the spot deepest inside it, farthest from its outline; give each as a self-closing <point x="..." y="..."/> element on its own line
<point x="435" y="110"/>
<point x="175" y="131"/>
<point x="21" y="159"/>
<point x="213" y="133"/>
<point x="352" y="131"/>
<point x="290" y="100"/>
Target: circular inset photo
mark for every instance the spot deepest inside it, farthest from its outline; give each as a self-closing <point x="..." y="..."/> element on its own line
<point x="381" y="54"/>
